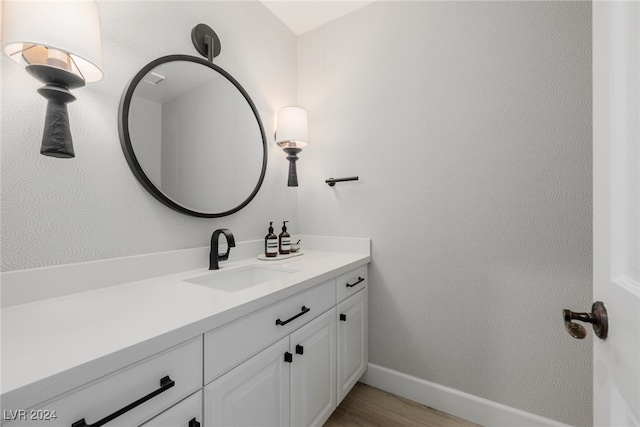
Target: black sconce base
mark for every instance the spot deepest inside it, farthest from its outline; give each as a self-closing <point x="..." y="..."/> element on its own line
<point x="56" y="138"/>
<point x="292" y="157"/>
<point x="206" y="41"/>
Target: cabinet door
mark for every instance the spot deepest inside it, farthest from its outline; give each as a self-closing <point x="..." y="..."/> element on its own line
<point x="352" y="342"/>
<point x="187" y="413"/>
<point x="256" y="393"/>
<point x="313" y="371"/>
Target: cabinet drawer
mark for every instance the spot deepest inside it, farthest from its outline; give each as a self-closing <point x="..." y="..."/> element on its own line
<point x="350" y="283"/>
<point x="187" y="413"/>
<point x="230" y="345"/>
<point x="114" y="393"/>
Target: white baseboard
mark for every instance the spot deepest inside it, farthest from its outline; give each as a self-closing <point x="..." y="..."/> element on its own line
<point x="464" y="405"/>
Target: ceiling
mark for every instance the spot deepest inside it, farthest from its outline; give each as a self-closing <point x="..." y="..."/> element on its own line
<point x="304" y="15"/>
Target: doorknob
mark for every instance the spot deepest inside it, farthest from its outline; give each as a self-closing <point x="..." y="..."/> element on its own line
<point x="597" y="317"/>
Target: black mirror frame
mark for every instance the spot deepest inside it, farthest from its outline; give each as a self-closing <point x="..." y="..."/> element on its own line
<point x="127" y="148"/>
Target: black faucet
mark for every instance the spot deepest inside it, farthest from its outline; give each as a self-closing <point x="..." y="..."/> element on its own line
<point x="214" y="256"/>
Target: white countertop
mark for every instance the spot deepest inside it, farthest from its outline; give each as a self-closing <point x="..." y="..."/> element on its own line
<point x="51" y="346"/>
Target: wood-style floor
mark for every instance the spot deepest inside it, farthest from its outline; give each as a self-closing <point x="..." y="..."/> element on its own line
<point x="366" y="406"/>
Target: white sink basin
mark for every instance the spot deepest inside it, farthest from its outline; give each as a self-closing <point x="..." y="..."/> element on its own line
<point x="241" y="278"/>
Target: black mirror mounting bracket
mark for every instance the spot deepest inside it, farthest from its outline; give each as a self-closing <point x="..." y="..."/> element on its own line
<point x="206" y="41"/>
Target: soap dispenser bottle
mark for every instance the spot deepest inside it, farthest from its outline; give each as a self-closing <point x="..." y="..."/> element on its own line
<point x="271" y="243"/>
<point x="285" y="240"/>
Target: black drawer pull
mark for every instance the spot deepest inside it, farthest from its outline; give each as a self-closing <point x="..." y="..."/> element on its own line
<point x="360" y="279"/>
<point x="288" y="357"/>
<point x="281" y="323"/>
<point x="343" y="317"/>
<point x="165" y="384"/>
<point x="194" y="423"/>
<point x="299" y="349"/>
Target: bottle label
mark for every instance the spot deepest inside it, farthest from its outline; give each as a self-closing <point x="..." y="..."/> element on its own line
<point x="286" y="243"/>
<point x="272" y="246"/>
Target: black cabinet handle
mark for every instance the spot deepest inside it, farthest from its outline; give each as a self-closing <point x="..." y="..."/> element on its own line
<point x="194" y="423"/>
<point x="304" y="310"/>
<point x="288" y="357"/>
<point x="299" y="349"/>
<point x="165" y="384"/>
<point x="343" y="317"/>
<point x="360" y="279"/>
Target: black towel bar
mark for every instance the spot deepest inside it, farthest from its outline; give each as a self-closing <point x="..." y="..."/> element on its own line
<point x="332" y="181"/>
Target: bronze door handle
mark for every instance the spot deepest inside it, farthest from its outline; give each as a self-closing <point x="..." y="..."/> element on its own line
<point x="597" y="317"/>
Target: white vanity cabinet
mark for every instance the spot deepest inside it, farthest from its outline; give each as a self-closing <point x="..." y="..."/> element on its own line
<point x="312" y="358"/>
<point x="127" y="397"/>
<point x="291" y="383"/>
<point x="295" y="347"/>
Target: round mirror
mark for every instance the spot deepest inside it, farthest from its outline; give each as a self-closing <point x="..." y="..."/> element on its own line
<point x="192" y="136"/>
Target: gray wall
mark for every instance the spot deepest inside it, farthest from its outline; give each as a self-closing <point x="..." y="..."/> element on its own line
<point x="91" y="207"/>
<point x="469" y="124"/>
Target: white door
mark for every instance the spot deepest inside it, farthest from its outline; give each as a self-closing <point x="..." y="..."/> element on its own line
<point x="313" y="371"/>
<point x="256" y="393"/>
<point x="616" y="212"/>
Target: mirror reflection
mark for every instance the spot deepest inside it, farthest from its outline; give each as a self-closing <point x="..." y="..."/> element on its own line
<point x="195" y="135"/>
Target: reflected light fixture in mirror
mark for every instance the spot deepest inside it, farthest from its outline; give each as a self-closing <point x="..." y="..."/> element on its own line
<point x="60" y="44"/>
<point x="292" y="136"/>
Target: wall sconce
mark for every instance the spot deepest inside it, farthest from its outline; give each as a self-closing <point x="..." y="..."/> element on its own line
<point x="60" y="44"/>
<point x="291" y="135"/>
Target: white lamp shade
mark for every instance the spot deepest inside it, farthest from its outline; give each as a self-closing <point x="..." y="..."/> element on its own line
<point x="71" y="26"/>
<point x="291" y="128"/>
